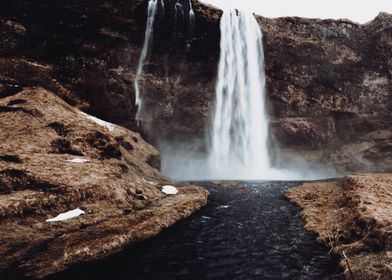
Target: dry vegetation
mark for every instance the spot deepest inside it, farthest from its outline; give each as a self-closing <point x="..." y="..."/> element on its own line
<point x="353" y="216"/>
<point x="117" y="187"/>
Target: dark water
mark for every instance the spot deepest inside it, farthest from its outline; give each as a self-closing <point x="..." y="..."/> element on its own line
<point x="245" y="232"/>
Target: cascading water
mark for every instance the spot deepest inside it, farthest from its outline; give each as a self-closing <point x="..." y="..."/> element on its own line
<point x="191" y="12"/>
<point x="239" y="129"/>
<point x="191" y="15"/>
<point x="238" y="136"/>
<point x="237" y="146"/>
<point x="163" y="7"/>
<point x="151" y="15"/>
<point x="152" y="11"/>
<point x="178" y="13"/>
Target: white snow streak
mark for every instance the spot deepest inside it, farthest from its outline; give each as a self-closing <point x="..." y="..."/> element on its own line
<point x="100" y="122"/>
<point x="78" y="160"/>
<point x="67" y="215"/>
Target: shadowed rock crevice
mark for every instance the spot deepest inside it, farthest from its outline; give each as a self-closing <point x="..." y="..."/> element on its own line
<point x="16" y="180"/>
<point x="63" y="146"/>
<point x="11" y="158"/>
<point x="59" y="128"/>
<point x="103" y="145"/>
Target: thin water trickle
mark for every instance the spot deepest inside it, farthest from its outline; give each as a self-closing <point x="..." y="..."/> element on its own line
<point x="153" y="7"/>
<point x="191" y="15"/>
<point x="152" y="11"/>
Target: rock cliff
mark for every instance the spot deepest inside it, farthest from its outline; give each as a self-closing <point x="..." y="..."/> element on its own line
<point x="329" y="86"/>
<point x="328" y="81"/>
<point x="329" y="95"/>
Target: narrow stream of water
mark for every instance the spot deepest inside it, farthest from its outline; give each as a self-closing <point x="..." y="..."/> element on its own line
<point x="246" y="231"/>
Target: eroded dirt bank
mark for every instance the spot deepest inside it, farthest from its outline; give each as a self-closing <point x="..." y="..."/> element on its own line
<point x="353" y="216"/>
<point x="54" y="158"/>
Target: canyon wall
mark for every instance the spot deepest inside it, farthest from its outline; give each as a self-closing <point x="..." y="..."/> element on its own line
<point x="328" y="82"/>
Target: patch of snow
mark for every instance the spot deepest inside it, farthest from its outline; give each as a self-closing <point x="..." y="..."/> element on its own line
<point x="78" y="160"/>
<point x="67" y="215"/>
<point x="100" y="122"/>
<point x="169" y="190"/>
<point x="149" y="182"/>
<point x="223" y="207"/>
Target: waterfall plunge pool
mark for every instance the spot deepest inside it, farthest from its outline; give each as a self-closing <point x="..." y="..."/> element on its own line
<point x="248" y="230"/>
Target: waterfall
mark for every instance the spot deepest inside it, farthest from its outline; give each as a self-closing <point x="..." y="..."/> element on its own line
<point x="163" y="7"/>
<point x="178" y="13"/>
<point x="237" y="147"/>
<point x="191" y="15"/>
<point x="239" y="130"/>
<point x="152" y="11"/>
<point x="151" y="15"/>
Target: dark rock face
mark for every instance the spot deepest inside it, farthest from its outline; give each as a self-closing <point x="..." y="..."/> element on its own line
<point x="92" y="49"/>
<point x="329" y="82"/>
<point x="329" y="88"/>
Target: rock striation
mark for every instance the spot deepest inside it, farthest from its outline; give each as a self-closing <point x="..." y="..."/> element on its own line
<point x="328" y="81"/>
<point x="330" y="85"/>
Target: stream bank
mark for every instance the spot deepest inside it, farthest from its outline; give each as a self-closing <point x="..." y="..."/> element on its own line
<point x="246" y="231"/>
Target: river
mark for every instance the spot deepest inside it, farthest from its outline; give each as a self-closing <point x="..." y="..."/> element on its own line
<point x="246" y="231"/>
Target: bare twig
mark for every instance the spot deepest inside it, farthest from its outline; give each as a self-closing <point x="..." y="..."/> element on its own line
<point x="348" y="265"/>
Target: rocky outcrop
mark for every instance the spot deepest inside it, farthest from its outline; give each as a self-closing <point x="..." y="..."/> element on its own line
<point x="329" y="97"/>
<point x="328" y="81"/>
<point x="353" y="216"/>
<point x="329" y="85"/>
<point x="93" y="47"/>
<point x="53" y="159"/>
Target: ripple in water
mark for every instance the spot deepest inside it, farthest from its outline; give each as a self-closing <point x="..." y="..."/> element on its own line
<point x="246" y="231"/>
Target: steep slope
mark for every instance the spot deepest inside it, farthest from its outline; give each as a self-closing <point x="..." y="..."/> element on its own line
<point x="53" y="159"/>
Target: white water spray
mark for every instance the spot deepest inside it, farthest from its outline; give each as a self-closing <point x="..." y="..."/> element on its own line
<point x="238" y="148"/>
<point x="163" y="7"/>
<point x="178" y="14"/>
<point x="239" y="131"/>
<point x="152" y="11"/>
<point x="191" y="14"/>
